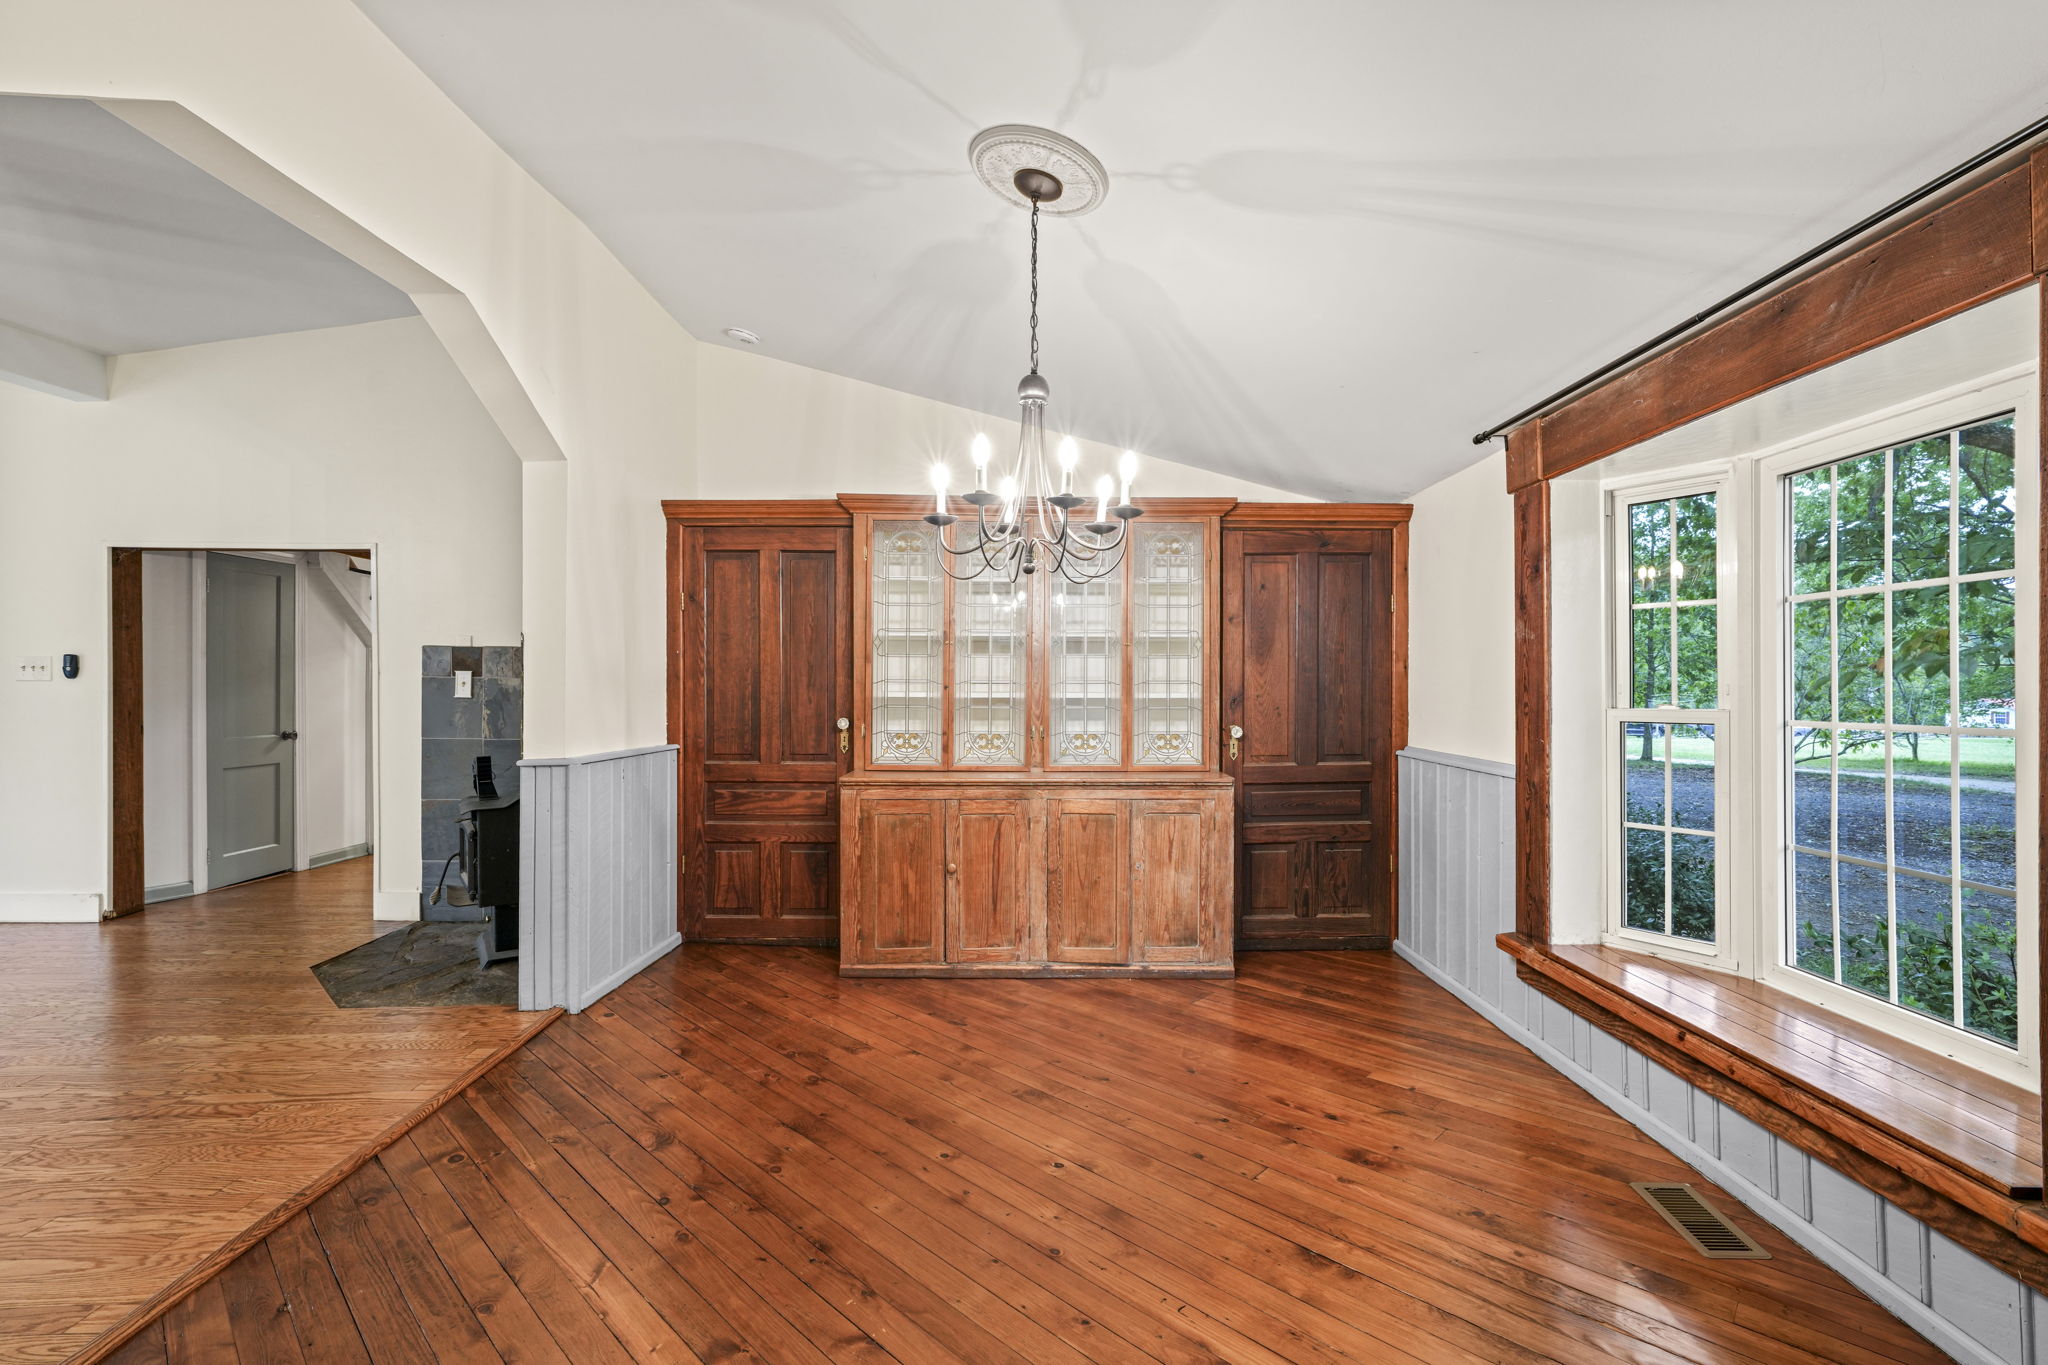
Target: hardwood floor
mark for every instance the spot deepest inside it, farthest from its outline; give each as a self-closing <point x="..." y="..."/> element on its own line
<point x="739" y="1156"/>
<point x="169" y="1079"/>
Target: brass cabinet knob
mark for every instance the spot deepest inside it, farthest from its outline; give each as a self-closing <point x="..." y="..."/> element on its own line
<point x="951" y="868"/>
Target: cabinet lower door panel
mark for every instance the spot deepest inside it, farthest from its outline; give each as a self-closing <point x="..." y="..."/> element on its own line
<point x="902" y="882"/>
<point x="988" y="908"/>
<point x="1172" y="878"/>
<point x="1087" y="909"/>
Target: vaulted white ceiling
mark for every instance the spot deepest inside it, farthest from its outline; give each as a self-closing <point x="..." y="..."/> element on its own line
<point x="1341" y="236"/>
<point x="111" y="243"/>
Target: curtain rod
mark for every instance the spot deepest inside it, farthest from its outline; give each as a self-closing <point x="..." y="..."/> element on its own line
<point x="2004" y="147"/>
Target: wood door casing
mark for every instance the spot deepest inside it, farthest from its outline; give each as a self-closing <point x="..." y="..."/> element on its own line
<point x="1309" y="655"/>
<point x="988" y="900"/>
<point x="1087" y="871"/>
<point x="762" y="630"/>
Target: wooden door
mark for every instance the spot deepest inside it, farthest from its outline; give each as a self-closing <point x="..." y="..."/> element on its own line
<point x="988" y="866"/>
<point x="1087" y="880"/>
<point x="1171" y="880"/>
<point x="766" y="674"/>
<point x="1309" y="646"/>
<point x="903" y="881"/>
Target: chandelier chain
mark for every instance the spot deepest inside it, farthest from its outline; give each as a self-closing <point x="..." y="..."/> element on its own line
<point x="1034" y="286"/>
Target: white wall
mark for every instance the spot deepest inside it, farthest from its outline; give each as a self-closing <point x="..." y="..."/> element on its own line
<point x="356" y="436"/>
<point x="770" y="429"/>
<point x="334" y="724"/>
<point x="1461" y="613"/>
<point x="166" y="719"/>
<point x="316" y="91"/>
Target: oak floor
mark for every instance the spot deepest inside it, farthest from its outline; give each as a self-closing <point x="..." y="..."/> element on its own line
<point x="170" y="1078"/>
<point x="740" y="1157"/>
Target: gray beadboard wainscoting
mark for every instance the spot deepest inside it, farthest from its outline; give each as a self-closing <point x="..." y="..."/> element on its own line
<point x="597" y="872"/>
<point x="1457" y="892"/>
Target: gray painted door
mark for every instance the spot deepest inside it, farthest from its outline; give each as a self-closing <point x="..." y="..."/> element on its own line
<point x="250" y="713"/>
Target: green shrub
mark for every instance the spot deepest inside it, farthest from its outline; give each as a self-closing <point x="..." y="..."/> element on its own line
<point x="1991" y="1003"/>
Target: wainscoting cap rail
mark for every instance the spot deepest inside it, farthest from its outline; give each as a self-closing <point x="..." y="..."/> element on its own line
<point x="573" y="759"/>
<point x="1492" y="767"/>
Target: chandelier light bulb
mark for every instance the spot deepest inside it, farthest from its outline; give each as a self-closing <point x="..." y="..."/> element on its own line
<point x="1127" y="470"/>
<point x="1104" y="486"/>
<point x="1070" y="455"/>
<point x="1007" y="490"/>
<point x="939" y="480"/>
<point x="979" y="453"/>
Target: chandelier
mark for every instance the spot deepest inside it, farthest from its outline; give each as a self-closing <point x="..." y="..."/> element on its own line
<point x="1027" y="522"/>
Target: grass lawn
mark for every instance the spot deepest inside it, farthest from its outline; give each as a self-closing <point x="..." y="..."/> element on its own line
<point x="1982" y="756"/>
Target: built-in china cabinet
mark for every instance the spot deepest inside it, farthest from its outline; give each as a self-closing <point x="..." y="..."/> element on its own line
<point x="1036" y="783"/>
<point x="972" y="776"/>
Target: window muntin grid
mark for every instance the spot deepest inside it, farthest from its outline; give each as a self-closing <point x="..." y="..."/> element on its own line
<point x="1669" y="845"/>
<point x="1085" y="641"/>
<point x="989" y="615"/>
<point x="1901" y="860"/>
<point x="1669" y="848"/>
<point x="907" y="615"/>
<point x="1167" y="617"/>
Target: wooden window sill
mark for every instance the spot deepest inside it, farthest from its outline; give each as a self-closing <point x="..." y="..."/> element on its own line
<point x="1853" y="1095"/>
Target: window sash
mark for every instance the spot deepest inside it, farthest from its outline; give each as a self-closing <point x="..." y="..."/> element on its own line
<point x="1619" y="712"/>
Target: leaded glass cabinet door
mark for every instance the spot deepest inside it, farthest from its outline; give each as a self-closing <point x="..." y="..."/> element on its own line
<point x="1084" y="639"/>
<point x="907" y="612"/>
<point x="989" y="631"/>
<point x="1168" y="612"/>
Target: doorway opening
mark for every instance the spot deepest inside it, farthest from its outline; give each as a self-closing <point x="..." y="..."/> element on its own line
<point x="243" y="713"/>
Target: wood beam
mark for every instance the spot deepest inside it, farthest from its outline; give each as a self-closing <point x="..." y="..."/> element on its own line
<point x="1962" y="254"/>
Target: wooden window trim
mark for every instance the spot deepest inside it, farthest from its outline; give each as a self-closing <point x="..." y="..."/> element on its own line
<point x="1981" y="244"/>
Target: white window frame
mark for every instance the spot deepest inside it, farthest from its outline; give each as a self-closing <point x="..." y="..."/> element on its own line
<point x="1620" y="496"/>
<point x="1752" y="796"/>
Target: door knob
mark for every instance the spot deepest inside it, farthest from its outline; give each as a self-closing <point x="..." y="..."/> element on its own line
<point x="844" y="726"/>
<point x="1236" y="734"/>
<point x="288" y="734"/>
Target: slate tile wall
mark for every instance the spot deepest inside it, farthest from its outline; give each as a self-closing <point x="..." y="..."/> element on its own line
<point x="453" y="731"/>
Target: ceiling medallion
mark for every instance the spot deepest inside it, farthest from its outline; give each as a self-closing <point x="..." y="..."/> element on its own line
<point x="998" y="153"/>
<point x="1023" y="525"/>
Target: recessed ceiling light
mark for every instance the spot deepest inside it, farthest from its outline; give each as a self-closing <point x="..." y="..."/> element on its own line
<point x="743" y="336"/>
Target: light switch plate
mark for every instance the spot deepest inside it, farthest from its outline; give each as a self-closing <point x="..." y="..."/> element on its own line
<point x="461" y="680"/>
<point x="33" y="668"/>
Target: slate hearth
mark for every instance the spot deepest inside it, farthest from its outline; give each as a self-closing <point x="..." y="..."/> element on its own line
<point x="453" y="731"/>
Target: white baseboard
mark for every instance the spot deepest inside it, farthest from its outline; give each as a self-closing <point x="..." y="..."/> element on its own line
<point x="339" y="855"/>
<point x="1896" y="1301"/>
<point x="49" y="907"/>
<point x="396" y="905"/>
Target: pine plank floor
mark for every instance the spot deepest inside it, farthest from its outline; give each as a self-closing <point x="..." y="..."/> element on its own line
<point x="740" y="1157"/>
<point x="170" y="1078"/>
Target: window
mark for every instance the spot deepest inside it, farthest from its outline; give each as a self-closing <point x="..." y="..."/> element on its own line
<point x="1818" y="721"/>
<point x="1670" y="868"/>
<point x="1901" y="747"/>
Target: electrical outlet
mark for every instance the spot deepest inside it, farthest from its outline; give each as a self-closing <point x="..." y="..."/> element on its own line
<point x="461" y="680"/>
<point x="32" y="668"/>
